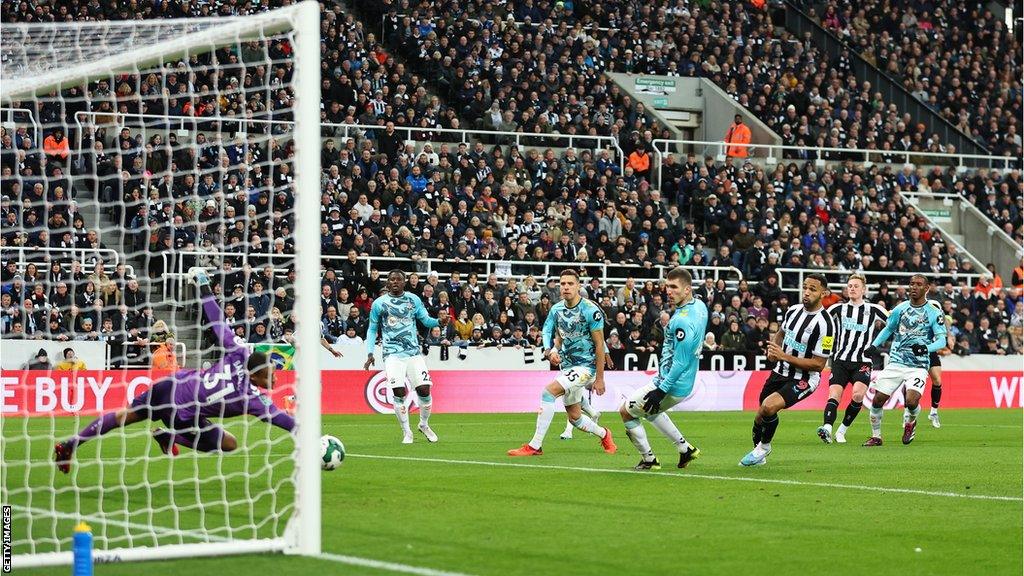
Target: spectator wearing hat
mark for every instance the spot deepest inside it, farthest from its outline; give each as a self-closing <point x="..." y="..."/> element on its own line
<point x="41" y="361"/>
<point x="70" y="361"/>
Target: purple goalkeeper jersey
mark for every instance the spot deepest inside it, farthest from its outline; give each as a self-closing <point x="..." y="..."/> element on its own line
<point x="224" y="389"/>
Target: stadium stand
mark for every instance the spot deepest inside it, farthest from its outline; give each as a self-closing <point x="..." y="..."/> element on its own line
<point x="405" y="184"/>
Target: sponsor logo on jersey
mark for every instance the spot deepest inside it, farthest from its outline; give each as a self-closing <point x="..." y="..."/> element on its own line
<point x="680" y="334"/>
<point x="853" y="326"/>
<point x="802" y="385"/>
<point x="826" y="343"/>
<point x="797" y="345"/>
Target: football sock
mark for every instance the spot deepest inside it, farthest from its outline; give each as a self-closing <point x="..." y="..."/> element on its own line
<point x="911" y="413"/>
<point x="936" y="395"/>
<point x="831" y="407"/>
<point x="876" y="421"/>
<point x="769" y="425"/>
<point x="668" y="429"/>
<point x="638" y="436"/>
<point x="756" y="431"/>
<point x="402" y="412"/>
<point x="425" y="404"/>
<point x="587" y="425"/>
<point x="544" y="418"/>
<point x="851" y="414"/>
<point x="568" y="428"/>
<point x="587" y="408"/>
<point x="841" y="431"/>
<point x="204" y="441"/>
<point x="97" y="427"/>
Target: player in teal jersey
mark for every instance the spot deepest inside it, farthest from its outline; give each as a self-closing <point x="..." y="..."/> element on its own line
<point x="395" y="316"/>
<point x="677" y="372"/>
<point x="580" y="327"/>
<point x="917" y="329"/>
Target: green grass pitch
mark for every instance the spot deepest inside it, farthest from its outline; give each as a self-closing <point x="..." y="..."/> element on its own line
<point x="447" y="508"/>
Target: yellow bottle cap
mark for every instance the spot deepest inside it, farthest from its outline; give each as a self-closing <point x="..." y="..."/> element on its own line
<point x="82" y="527"/>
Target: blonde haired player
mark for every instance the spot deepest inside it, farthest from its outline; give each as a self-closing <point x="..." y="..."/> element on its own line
<point x="580" y="355"/>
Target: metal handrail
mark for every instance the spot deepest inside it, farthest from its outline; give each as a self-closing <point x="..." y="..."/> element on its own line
<point x="115" y="257"/>
<point x="182" y="357"/>
<point x="612" y="143"/>
<point x="775" y="151"/>
<point x="37" y="136"/>
<point x="731" y="274"/>
<point x="802" y="272"/>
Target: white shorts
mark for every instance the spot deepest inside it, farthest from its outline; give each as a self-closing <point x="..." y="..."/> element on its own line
<point x="635" y="403"/>
<point x="575" y="382"/>
<point x="412" y="369"/>
<point x="896" y="375"/>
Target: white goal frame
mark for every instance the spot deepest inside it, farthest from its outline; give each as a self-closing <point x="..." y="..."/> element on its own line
<point x="302" y="534"/>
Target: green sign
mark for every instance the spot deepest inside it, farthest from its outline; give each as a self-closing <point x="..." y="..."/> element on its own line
<point x="652" y="84"/>
<point x="939" y="215"/>
<point x="660" y="102"/>
<point x="280" y="354"/>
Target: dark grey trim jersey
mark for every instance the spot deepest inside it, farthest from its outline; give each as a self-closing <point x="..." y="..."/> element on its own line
<point x="856" y="327"/>
<point x="805" y="334"/>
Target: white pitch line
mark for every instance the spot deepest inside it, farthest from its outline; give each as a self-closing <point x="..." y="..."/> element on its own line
<point x="380" y="565"/>
<point x="699" y="476"/>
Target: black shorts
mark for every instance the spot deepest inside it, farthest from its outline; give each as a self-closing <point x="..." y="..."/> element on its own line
<point x="792" y="391"/>
<point x="934" y="360"/>
<point x="844" y="373"/>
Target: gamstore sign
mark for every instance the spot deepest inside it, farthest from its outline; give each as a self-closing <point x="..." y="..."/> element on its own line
<point x="46" y="393"/>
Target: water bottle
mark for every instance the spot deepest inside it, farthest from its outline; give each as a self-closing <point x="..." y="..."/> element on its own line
<point x="82" y="548"/>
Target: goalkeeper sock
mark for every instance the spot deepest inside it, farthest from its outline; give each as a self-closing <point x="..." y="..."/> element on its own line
<point x="587" y="425"/>
<point x="205" y="441"/>
<point x="936" y="395"/>
<point x="425" y="404"/>
<point x="402" y="412"/>
<point x="831" y="408"/>
<point x="638" y="436"/>
<point x="668" y="429"/>
<point x="544" y="418"/>
<point x="97" y="427"/>
<point x="876" y="421"/>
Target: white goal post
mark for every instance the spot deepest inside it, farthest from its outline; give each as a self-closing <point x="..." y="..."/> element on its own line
<point x="39" y="63"/>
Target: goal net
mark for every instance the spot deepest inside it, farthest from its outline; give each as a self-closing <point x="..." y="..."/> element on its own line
<point x="133" y="152"/>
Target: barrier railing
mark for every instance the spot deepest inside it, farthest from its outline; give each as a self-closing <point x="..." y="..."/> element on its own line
<point x="180" y="350"/>
<point x="359" y="130"/>
<point x="609" y="273"/>
<point x="772" y="154"/>
<point x="872" y="277"/>
<point x="8" y="115"/>
<point x="28" y="255"/>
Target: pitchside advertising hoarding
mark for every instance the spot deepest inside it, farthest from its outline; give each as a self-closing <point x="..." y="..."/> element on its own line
<point x="493" y="381"/>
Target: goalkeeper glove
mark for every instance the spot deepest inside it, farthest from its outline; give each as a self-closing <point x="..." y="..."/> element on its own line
<point x="199" y="277"/>
<point x="919" y="350"/>
<point x="652" y="400"/>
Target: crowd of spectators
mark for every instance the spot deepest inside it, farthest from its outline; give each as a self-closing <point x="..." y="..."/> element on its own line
<point x="957" y="57"/>
<point x="385" y="193"/>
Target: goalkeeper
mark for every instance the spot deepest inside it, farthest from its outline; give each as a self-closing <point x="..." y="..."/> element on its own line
<point x="186" y="401"/>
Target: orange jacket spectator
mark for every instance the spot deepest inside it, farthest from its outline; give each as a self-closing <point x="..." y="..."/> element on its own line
<point x="830" y="299"/>
<point x="164" y="358"/>
<point x="56" y="145"/>
<point x="736" y="139"/>
<point x="640" y="162"/>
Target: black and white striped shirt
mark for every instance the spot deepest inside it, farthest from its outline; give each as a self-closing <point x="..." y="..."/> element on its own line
<point x="805" y="334"/>
<point x="856" y="327"/>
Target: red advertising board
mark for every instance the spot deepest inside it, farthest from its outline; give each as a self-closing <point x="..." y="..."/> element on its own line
<point x="45" y="393"/>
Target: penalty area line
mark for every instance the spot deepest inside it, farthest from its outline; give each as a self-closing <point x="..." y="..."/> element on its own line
<point x="698" y="476"/>
<point x="381" y="565"/>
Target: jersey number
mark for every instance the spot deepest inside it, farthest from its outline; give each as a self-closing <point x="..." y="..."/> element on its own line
<point x="212" y="380"/>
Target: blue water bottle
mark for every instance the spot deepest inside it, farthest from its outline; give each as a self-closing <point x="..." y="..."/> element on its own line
<point x="82" y="548"/>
